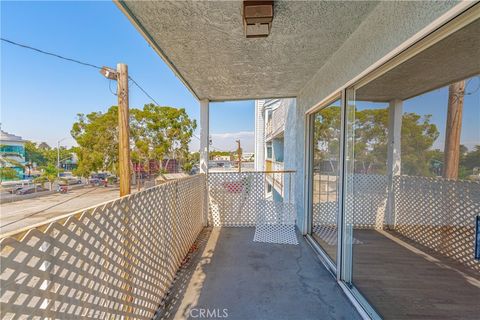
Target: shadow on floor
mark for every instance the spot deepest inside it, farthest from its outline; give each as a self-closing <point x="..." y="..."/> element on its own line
<point x="230" y="276"/>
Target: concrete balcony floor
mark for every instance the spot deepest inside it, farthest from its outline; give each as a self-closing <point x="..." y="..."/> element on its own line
<point x="227" y="270"/>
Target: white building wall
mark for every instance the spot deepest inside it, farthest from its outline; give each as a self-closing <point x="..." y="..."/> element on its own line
<point x="259" y="135"/>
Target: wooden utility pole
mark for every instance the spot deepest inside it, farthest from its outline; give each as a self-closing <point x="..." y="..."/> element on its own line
<point x="239" y="155"/>
<point x="456" y="92"/>
<point x="123" y="129"/>
<point x="121" y="75"/>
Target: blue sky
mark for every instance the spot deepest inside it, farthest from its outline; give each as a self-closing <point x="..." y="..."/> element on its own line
<point x="41" y="95"/>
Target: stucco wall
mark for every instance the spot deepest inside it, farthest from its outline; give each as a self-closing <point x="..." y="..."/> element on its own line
<point x="387" y="26"/>
<point x="289" y="154"/>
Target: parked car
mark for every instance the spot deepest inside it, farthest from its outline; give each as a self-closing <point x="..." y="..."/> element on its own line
<point x="101" y="176"/>
<point x="30" y="189"/>
<point x="69" y="180"/>
<point x="15" y="189"/>
<point x="95" y="181"/>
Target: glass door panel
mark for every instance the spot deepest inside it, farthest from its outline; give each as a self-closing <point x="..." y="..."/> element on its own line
<point x="325" y="148"/>
<point x="412" y="190"/>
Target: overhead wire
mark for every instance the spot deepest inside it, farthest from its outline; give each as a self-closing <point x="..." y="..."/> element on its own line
<point x="92" y="66"/>
<point x="78" y="62"/>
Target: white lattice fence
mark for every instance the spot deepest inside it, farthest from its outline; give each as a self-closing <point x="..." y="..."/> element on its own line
<point x="113" y="261"/>
<point x="439" y="214"/>
<point x="365" y="206"/>
<point x="239" y="200"/>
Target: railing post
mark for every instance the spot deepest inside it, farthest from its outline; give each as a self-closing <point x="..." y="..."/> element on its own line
<point x="206" y="200"/>
<point x="289" y="187"/>
<point x="204" y="135"/>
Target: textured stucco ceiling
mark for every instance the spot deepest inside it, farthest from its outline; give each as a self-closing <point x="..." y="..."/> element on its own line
<point x="454" y="58"/>
<point x="204" y="42"/>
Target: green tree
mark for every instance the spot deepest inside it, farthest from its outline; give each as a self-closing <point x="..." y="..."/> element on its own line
<point x="190" y="160"/>
<point x="469" y="161"/>
<point x="327" y="133"/>
<point x="371" y="140"/>
<point x="161" y="131"/>
<point x="49" y="173"/>
<point x="97" y="137"/>
<point x="7" y="173"/>
<point x="418" y="136"/>
<point x="156" y="132"/>
<point x="215" y="153"/>
<point x="34" y="154"/>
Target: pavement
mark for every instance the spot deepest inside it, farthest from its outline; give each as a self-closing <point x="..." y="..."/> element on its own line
<point x="20" y="214"/>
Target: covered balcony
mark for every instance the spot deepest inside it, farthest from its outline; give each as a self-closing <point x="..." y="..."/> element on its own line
<point x="364" y="233"/>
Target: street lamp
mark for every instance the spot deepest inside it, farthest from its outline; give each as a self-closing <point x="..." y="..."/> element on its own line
<point x="58" y="155"/>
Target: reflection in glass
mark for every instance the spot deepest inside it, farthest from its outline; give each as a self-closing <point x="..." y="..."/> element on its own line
<point x="325" y="172"/>
<point x="412" y="219"/>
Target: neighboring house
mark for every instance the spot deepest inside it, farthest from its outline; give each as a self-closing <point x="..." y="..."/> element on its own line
<point x="12" y="152"/>
<point x="271" y="117"/>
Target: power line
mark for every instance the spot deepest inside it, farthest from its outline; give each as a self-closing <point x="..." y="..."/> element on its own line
<point x="76" y="61"/>
<point x="135" y="82"/>
<point x="51" y="54"/>
<point x="92" y="66"/>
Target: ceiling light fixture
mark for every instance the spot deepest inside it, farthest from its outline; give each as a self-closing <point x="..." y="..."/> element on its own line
<point x="257" y="18"/>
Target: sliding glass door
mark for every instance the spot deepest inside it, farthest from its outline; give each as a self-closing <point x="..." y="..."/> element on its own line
<point x="395" y="167"/>
<point x="325" y="159"/>
<point x="412" y="184"/>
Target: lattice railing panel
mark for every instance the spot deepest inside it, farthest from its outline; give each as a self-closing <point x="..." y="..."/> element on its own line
<point x="439" y="214"/>
<point x="113" y="261"/>
<point x="239" y="200"/>
<point x="365" y="207"/>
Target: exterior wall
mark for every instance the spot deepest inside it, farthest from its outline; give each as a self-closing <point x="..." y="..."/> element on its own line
<point x="14" y="150"/>
<point x="289" y="154"/>
<point x="277" y="145"/>
<point x="282" y="147"/>
<point x="259" y="135"/>
<point x="386" y="27"/>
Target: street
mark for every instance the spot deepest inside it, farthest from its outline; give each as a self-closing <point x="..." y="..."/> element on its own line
<point x="17" y="215"/>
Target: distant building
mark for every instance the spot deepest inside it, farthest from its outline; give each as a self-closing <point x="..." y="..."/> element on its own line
<point x="248" y="156"/>
<point x="221" y="158"/>
<point x="271" y="117"/>
<point x="12" y="152"/>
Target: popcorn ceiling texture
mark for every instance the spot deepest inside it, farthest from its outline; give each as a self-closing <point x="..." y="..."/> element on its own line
<point x="206" y="43"/>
